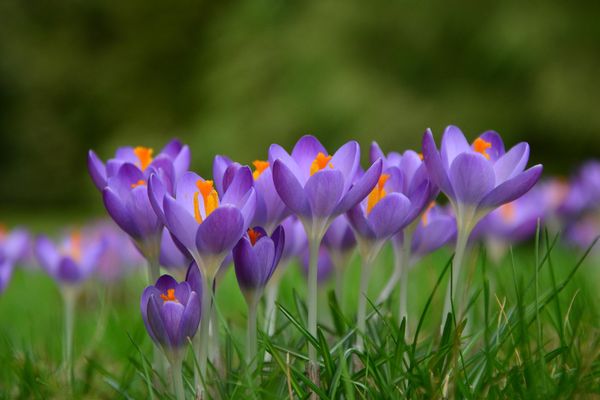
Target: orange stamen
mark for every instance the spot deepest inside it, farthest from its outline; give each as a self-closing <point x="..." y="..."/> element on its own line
<point x="209" y="196"/>
<point x="253" y="236"/>
<point x="321" y="161"/>
<point x="141" y="182"/>
<point x="420" y="156"/>
<point x="508" y="212"/>
<point x="481" y="146"/>
<point x="259" y="168"/>
<point x="377" y="193"/>
<point x="170" y="296"/>
<point x="425" y="217"/>
<point x="144" y="154"/>
<point x="76" y="245"/>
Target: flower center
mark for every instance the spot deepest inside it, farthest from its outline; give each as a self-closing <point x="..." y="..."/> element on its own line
<point x="377" y="193"/>
<point x="253" y="235"/>
<point x="141" y="182"/>
<point x="170" y="296"/>
<point x="144" y="154"/>
<point x="508" y="212"/>
<point x="259" y="168"/>
<point x="425" y="217"/>
<point x="481" y="146"/>
<point x="320" y="162"/>
<point x="210" y="197"/>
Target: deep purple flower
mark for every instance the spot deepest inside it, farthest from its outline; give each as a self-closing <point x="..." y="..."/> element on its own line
<point x="480" y="177"/>
<point x="324" y="264"/>
<point x="174" y="156"/>
<point x="436" y="228"/>
<point x="270" y="210"/>
<point x="255" y="258"/>
<point x="387" y="209"/>
<point x="318" y="187"/>
<point x="171" y="312"/>
<point x="206" y="222"/>
<point x="73" y="260"/>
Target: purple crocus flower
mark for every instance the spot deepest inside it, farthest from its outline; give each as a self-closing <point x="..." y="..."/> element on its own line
<point x="270" y="210"/>
<point x="119" y="256"/>
<point x="14" y="249"/>
<point x="174" y="156"/>
<point x="318" y="187"/>
<point x="340" y="242"/>
<point x="171" y="312"/>
<point x="72" y="261"/>
<point x="480" y="177"/>
<point x="255" y="258"/>
<point x="477" y="179"/>
<point x="206" y="222"/>
<point x="582" y="232"/>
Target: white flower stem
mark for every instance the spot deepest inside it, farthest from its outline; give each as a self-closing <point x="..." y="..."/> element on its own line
<point x="251" y="340"/>
<point x="452" y="291"/>
<point x="361" y="313"/>
<point x="404" y="268"/>
<point x="177" y="377"/>
<point x="202" y="338"/>
<point x="69" y="298"/>
<point x="313" y="367"/>
<point x="271" y="292"/>
<point x="394" y="278"/>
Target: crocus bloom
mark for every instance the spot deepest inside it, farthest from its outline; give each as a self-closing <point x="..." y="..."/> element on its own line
<point x="339" y="240"/>
<point x="72" y="261"/>
<point x="270" y="210"/>
<point x="171" y="313"/>
<point x="583" y="232"/>
<point x="255" y="258"/>
<point x="174" y="156"/>
<point x="172" y="256"/>
<point x="480" y="177"/>
<point x="14" y="248"/>
<point x="477" y="179"/>
<point x="318" y="187"/>
<point x="207" y="223"/>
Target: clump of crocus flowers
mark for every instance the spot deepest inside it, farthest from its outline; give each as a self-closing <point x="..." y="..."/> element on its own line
<point x="252" y="215"/>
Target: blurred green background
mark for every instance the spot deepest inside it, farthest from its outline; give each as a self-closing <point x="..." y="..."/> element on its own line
<point x="232" y="77"/>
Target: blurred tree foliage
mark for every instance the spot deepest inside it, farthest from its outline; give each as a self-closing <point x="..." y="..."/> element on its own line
<point x="232" y="77"/>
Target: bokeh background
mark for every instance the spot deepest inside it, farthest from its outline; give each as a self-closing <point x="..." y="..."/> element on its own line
<point x="232" y="77"/>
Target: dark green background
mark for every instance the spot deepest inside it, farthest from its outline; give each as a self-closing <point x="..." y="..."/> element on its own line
<point x="232" y="77"/>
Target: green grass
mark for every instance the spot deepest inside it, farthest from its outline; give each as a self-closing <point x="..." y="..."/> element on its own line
<point x="533" y="332"/>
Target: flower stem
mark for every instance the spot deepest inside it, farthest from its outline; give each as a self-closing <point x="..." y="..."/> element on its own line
<point x="313" y="367"/>
<point x="394" y="278"/>
<point x="404" y="268"/>
<point x="177" y="378"/>
<point x="69" y="297"/>
<point x="201" y="340"/>
<point x="251" y="340"/>
<point x="451" y="292"/>
<point x="271" y="292"/>
<point x="361" y="314"/>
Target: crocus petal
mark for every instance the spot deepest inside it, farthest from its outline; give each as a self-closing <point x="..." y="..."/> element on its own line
<point x="358" y="220"/>
<point x="435" y="165"/>
<point x="97" y="170"/>
<point x="360" y="189"/>
<point x="453" y="144"/>
<point x="47" y="254"/>
<point x="156" y="194"/>
<point x="6" y="270"/>
<point x="218" y="233"/>
<point x="324" y="191"/>
<point x="278" y="238"/>
<point x="186" y="189"/>
<point x="181" y="163"/>
<point x="388" y="215"/>
<point x="347" y="160"/>
<point x="472" y="178"/>
<point x="512" y="163"/>
<point x="304" y="152"/>
<point x="180" y="222"/>
<point x="419" y="199"/>
<point x="171" y="313"/>
<point x="248" y="207"/>
<point x="116" y="209"/>
<point x="511" y="189"/>
<point x="142" y="214"/>
<point x="172" y="149"/>
<point x="289" y="189"/>
<point x="375" y="152"/>
<point x="265" y="254"/>
<point x="156" y="323"/>
<point x="170" y="254"/>
<point x="127" y="175"/>
<point x="240" y="185"/>
<point x="246" y="264"/>
<point x="194" y="278"/>
<point x="190" y="319"/>
<point x="276" y="152"/>
<point x="220" y="164"/>
<point x="165" y="282"/>
<point x="182" y="292"/>
<point x="433" y="236"/>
